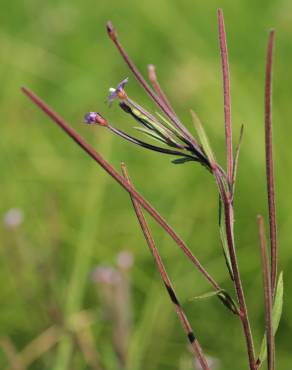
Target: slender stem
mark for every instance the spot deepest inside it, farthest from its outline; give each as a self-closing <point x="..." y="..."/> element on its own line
<point x="113" y="35"/>
<point x="156" y="86"/>
<point x="269" y="161"/>
<point x="167" y="282"/>
<point x="113" y="173"/>
<point x="227" y="197"/>
<point x="227" y="98"/>
<point x="267" y="294"/>
<point x="229" y="221"/>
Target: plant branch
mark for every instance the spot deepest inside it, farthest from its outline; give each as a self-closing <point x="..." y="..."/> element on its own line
<point x="268" y="297"/>
<point x="160" y="103"/>
<point x="227" y="98"/>
<point x="269" y="161"/>
<point x="167" y="282"/>
<point x="114" y="174"/>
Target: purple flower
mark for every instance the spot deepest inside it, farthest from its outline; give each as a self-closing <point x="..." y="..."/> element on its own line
<point x="94" y="117"/>
<point x="118" y="92"/>
<point x="90" y="117"/>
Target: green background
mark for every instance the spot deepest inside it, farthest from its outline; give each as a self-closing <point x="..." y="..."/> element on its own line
<point x="77" y="218"/>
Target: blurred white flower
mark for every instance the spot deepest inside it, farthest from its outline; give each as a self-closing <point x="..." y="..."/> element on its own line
<point x="125" y="260"/>
<point x="105" y="275"/>
<point x="13" y="217"/>
<point x="212" y="362"/>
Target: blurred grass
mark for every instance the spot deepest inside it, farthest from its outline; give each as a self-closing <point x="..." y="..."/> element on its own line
<point x="75" y="217"/>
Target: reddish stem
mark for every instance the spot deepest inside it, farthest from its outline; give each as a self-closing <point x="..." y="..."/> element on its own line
<point x="167" y="282"/>
<point x="227" y="98"/>
<point x="269" y="161"/>
<point x="229" y="222"/>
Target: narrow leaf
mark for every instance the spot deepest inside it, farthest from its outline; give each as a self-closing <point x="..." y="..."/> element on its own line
<point x="235" y="162"/>
<point x="224" y="241"/>
<point x="157" y="127"/>
<point x="207" y="295"/>
<point x="183" y="160"/>
<point x="278" y="303"/>
<point x="153" y="134"/>
<point x="276" y="316"/>
<point x="170" y="126"/>
<point x="203" y="138"/>
<point x="224" y="297"/>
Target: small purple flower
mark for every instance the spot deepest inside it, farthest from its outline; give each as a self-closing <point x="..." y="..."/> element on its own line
<point x="118" y="92"/>
<point x="90" y="117"/>
<point x="94" y="117"/>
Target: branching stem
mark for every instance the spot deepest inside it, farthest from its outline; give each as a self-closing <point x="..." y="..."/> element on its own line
<point x="113" y="173"/>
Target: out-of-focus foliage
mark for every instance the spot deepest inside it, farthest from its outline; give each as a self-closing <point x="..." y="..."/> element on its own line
<point x="70" y="217"/>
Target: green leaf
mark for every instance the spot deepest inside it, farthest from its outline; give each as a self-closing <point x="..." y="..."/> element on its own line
<point x="170" y="126"/>
<point x="163" y="131"/>
<point x="207" y="295"/>
<point x="224" y="243"/>
<point x="152" y="134"/>
<point x="276" y="316"/>
<point x="224" y="297"/>
<point x="157" y="126"/>
<point x="235" y="162"/>
<point x="203" y="138"/>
